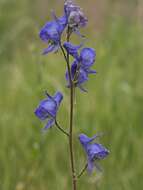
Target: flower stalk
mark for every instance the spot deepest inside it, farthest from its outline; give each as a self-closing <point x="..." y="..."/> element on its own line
<point x="76" y="75"/>
<point x="82" y="171"/>
<point x="71" y="118"/>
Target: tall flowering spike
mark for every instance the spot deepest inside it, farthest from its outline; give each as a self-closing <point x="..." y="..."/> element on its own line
<point x="94" y="151"/>
<point x="51" y="33"/>
<point x="47" y="109"/>
<point x="75" y="16"/>
<point x="84" y="58"/>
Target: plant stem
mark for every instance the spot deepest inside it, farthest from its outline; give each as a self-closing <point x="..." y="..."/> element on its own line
<point x="60" y="128"/>
<point x="71" y="119"/>
<point x="82" y="171"/>
<point x="71" y="84"/>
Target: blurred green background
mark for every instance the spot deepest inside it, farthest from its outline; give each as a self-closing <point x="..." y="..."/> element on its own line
<point x="30" y="160"/>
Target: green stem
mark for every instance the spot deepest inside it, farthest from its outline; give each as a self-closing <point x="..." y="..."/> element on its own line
<point x="71" y="119"/>
<point x="82" y="171"/>
<point x="71" y="84"/>
<point x="60" y="128"/>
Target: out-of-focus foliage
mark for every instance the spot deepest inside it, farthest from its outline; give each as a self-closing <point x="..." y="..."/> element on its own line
<point x="114" y="104"/>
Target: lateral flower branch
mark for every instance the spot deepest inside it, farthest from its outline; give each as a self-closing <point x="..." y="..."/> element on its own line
<point x="76" y="75"/>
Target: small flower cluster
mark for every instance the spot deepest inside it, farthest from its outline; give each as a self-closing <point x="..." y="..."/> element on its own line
<point x="80" y="69"/>
<point x="73" y="18"/>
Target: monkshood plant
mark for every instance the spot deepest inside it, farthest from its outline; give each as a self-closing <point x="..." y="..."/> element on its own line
<point x="76" y="75"/>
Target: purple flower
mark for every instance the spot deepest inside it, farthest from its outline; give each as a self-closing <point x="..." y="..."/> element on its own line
<point x="48" y="108"/>
<point x="94" y="151"/>
<point x="87" y="59"/>
<point x="87" y="56"/>
<point x="81" y="67"/>
<point x="72" y="49"/>
<point x="79" y="76"/>
<point x="51" y="33"/>
<point x="75" y="16"/>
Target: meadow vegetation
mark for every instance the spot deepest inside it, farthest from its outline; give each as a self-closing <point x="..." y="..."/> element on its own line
<point x="30" y="160"/>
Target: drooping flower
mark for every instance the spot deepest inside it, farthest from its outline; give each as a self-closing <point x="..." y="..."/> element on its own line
<point x="79" y="76"/>
<point x="87" y="56"/>
<point x="94" y="151"/>
<point x="87" y="59"/>
<point x="51" y="33"/>
<point x="75" y="16"/>
<point x="81" y="67"/>
<point x="47" y="109"/>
